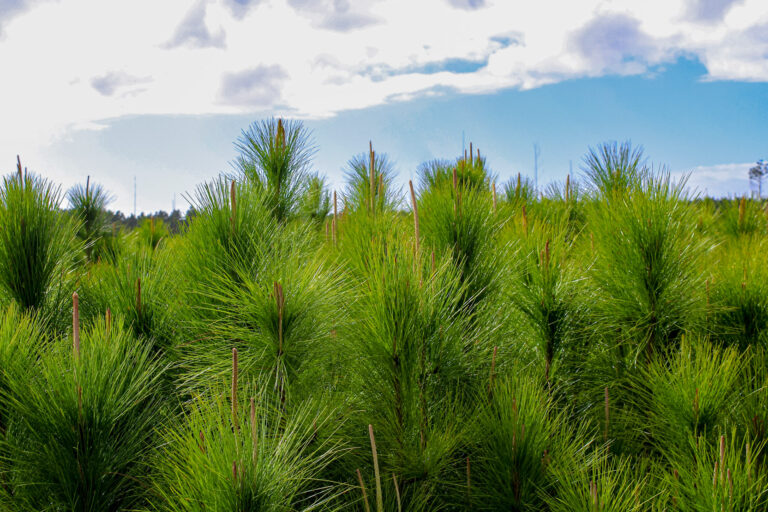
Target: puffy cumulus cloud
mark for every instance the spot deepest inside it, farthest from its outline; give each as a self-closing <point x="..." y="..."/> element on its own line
<point x="240" y="8"/>
<point x="337" y="15"/>
<point x="616" y="43"/>
<point x="257" y="87"/>
<point x="117" y="81"/>
<point x="744" y="58"/>
<point x="710" y="10"/>
<point x="314" y="58"/>
<point x="193" y="31"/>
<point x="12" y="8"/>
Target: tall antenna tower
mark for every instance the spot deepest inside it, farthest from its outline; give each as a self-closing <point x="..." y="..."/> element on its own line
<point x="173" y="204"/>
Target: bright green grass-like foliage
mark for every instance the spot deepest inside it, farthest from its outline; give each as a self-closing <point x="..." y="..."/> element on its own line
<point x="232" y="228"/>
<point x="110" y="245"/>
<point x="612" y="169"/>
<point x="721" y="474"/>
<point x="412" y="360"/>
<point x="359" y="231"/>
<point x="89" y="206"/>
<point x="562" y="202"/>
<point x="38" y="243"/>
<point x="361" y="194"/>
<point x="648" y="275"/>
<point x="601" y="484"/>
<point x="517" y="438"/>
<point x="543" y="286"/>
<point x="256" y="461"/>
<point x="81" y="426"/>
<point x="742" y="216"/>
<point x="738" y="299"/>
<point x="276" y="156"/>
<point x="316" y="201"/>
<point x="597" y="382"/>
<point x="460" y="219"/>
<point x="139" y="288"/>
<point x="470" y="173"/>
<point x="519" y="191"/>
<point x="755" y="386"/>
<point x="695" y="393"/>
<point x="399" y="360"/>
<point x="279" y="312"/>
<point x="22" y="338"/>
<point x="151" y="232"/>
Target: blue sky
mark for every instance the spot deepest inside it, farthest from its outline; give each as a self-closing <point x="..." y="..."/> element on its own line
<point x="695" y="97"/>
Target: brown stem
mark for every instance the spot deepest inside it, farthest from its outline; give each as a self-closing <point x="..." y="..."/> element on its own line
<point x="415" y="215"/>
<point x="722" y="455"/>
<point x="233" y="206"/>
<point x="397" y="493"/>
<point x="432" y="268"/>
<point x="379" y="498"/>
<point x="201" y="445"/>
<point x="280" y="134"/>
<point x="234" y="387"/>
<point x="76" y="325"/>
<point x="362" y="488"/>
<point x="469" y="481"/>
<point x="607" y="413"/>
<point x="254" y="433"/>
<point x="372" y="156"/>
<point x="525" y="221"/>
<point x="742" y="211"/>
<point x="335" y="216"/>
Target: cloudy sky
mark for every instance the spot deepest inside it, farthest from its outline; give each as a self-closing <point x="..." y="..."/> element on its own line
<point x="160" y="90"/>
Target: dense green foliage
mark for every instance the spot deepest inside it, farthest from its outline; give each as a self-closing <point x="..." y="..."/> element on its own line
<point x="599" y="345"/>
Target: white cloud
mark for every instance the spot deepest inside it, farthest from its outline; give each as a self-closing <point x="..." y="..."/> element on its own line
<point x="722" y="180"/>
<point x="117" y="81"/>
<point x="193" y="31"/>
<point x="255" y="87"/>
<point x="337" y="15"/>
<point x="75" y="64"/>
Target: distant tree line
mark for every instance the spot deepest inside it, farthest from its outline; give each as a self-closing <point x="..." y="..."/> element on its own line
<point x="174" y="221"/>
